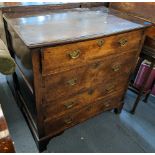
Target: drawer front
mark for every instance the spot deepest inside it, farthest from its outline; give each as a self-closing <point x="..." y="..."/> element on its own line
<point x="100" y="72"/>
<point x="64" y="57"/>
<point x="58" y="108"/>
<point x="54" y="126"/>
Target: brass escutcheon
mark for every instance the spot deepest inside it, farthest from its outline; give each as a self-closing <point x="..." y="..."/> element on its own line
<point x="72" y="82"/>
<point x="89" y="108"/>
<point x="95" y="65"/>
<point x="123" y="42"/>
<point x="116" y="68"/>
<point x="90" y="91"/>
<point x="74" y="54"/>
<point x="100" y="42"/>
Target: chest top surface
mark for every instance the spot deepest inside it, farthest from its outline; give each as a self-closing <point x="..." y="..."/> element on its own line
<point x="51" y="28"/>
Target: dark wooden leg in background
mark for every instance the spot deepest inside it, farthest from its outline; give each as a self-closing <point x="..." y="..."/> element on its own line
<point x="141" y="89"/>
<point x="137" y="101"/>
<point x="146" y="97"/>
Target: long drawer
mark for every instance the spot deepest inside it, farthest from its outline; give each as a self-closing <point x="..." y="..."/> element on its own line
<point x="54" y="126"/>
<point x="102" y="72"/>
<point x="64" y="57"/>
<point x="57" y="108"/>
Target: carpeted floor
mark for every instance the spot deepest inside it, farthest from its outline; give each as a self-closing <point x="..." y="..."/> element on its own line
<point x="106" y="132"/>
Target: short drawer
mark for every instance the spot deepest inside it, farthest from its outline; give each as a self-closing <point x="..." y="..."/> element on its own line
<point x="55" y="126"/>
<point x="100" y="72"/>
<point x="64" y="57"/>
<point x="58" y="108"/>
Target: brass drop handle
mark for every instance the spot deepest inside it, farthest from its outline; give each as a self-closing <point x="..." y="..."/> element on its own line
<point x="72" y="82"/>
<point x="74" y="54"/>
<point x="69" y="104"/>
<point x="100" y="42"/>
<point x="123" y="42"/>
<point x="110" y="88"/>
<point x="68" y="121"/>
<point x="107" y="105"/>
<point x="116" y="68"/>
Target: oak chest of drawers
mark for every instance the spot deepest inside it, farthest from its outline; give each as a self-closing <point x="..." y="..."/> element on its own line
<point x="71" y="65"/>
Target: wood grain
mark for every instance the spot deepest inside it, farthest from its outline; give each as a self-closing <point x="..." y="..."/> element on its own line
<point x="68" y="120"/>
<point x="76" y="24"/>
<point x="144" y="10"/>
<point x="38" y="92"/>
<point x="56" y="58"/>
<point x="78" y="101"/>
<point x="86" y="77"/>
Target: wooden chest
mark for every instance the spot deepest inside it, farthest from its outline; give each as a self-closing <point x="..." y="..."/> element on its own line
<point x="71" y="65"/>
